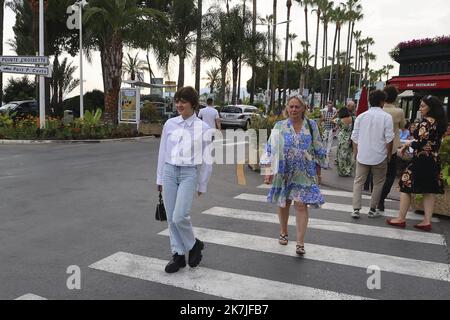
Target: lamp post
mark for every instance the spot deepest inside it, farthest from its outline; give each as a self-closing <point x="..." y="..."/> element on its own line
<point x="74" y="22"/>
<point x="288" y="5"/>
<point x="41" y="78"/>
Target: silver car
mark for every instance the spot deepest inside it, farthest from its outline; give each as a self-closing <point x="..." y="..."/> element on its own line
<point x="238" y="116"/>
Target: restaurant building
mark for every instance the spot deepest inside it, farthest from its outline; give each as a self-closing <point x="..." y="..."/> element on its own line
<point x="424" y="70"/>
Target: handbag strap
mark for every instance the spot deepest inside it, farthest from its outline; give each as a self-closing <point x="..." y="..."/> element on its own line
<point x="160" y="197"/>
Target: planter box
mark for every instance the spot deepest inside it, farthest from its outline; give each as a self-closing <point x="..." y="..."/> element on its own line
<point x="442" y="205"/>
<point x="429" y="52"/>
<point x="151" y="129"/>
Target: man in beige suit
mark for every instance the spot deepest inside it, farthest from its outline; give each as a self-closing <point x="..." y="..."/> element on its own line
<point x="398" y="117"/>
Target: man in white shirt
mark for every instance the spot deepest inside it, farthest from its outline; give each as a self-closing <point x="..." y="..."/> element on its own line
<point x="210" y="115"/>
<point x="373" y="137"/>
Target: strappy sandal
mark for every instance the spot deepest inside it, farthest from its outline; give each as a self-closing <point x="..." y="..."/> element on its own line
<point x="283" y="240"/>
<point x="300" y="250"/>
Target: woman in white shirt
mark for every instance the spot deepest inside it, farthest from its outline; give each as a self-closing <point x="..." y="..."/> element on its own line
<point x="182" y="171"/>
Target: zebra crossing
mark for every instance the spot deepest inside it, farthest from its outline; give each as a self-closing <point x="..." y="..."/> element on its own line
<point x="233" y="285"/>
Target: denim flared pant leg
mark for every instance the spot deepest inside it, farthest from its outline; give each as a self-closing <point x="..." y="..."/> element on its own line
<point x="179" y="187"/>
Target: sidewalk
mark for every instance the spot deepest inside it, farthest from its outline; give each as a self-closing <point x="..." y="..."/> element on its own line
<point x="331" y="179"/>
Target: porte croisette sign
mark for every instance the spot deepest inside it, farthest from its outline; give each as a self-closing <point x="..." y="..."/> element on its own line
<point x="421" y="82"/>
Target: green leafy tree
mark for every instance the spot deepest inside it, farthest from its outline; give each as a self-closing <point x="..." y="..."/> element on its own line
<point x="19" y="89"/>
<point x="2" y="16"/>
<point x="113" y="23"/>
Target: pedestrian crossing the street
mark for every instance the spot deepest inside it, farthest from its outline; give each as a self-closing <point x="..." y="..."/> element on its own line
<point x="230" y="284"/>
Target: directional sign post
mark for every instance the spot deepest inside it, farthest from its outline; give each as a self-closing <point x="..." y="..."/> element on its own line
<point x="40" y="71"/>
<point x="24" y="60"/>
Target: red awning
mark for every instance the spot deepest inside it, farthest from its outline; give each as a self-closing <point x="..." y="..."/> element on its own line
<point x="422" y="82"/>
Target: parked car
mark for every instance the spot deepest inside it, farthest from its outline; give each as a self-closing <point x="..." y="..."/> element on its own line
<point x="238" y="116"/>
<point x="21" y="108"/>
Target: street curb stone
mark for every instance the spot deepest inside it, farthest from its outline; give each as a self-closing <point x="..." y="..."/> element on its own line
<point x="15" y="142"/>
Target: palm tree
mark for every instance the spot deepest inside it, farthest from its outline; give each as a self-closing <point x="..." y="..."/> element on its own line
<point x="110" y="23"/>
<point x="62" y="81"/>
<point x="305" y="4"/>
<point x="327" y="12"/>
<point x="288" y="5"/>
<point x="244" y="8"/>
<point x="133" y="66"/>
<point x="216" y="44"/>
<point x="182" y="24"/>
<point x="368" y="42"/>
<point x="292" y="37"/>
<point x="303" y="59"/>
<point x="213" y="78"/>
<point x="338" y="17"/>
<point x="389" y="68"/>
<point x="357" y="36"/>
<point x="2" y="16"/>
<point x="320" y="5"/>
<point x="354" y="10"/>
<point x="198" y="52"/>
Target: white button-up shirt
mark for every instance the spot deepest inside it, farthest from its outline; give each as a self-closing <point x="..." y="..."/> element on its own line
<point x="373" y="130"/>
<point x="209" y="115"/>
<point x="186" y="143"/>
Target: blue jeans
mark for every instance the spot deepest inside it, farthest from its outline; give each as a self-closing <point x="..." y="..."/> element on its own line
<point x="179" y="188"/>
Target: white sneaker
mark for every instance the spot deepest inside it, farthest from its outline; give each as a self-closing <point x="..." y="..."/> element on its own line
<point x="356" y="214"/>
<point x="374" y="213"/>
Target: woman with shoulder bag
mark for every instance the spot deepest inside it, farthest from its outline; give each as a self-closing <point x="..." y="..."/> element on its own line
<point x="293" y="158"/>
<point x="182" y="172"/>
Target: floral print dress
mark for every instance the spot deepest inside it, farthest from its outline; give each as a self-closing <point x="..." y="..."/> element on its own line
<point x="293" y="159"/>
<point x="423" y="175"/>
<point x="344" y="158"/>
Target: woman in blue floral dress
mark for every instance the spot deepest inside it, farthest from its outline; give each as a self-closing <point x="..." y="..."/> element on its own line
<point x="293" y="158"/>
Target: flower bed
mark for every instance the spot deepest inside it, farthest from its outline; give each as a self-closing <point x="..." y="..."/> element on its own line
<point x="89" y="128"/>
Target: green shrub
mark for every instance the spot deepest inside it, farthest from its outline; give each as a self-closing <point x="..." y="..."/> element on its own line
<point x="150" y="114"/>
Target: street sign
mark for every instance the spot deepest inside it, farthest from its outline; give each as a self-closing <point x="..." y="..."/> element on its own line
<point x="23" y="60"/>
<point x="40" y="71"/>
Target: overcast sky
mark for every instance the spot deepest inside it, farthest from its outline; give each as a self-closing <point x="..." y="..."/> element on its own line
<point x="388" y="22"/>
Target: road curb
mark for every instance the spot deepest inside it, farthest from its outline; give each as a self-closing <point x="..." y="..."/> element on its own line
<point x="27" y="142"/>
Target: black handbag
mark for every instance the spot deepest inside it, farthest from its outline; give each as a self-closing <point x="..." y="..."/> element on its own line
<point x="160" y="214"/>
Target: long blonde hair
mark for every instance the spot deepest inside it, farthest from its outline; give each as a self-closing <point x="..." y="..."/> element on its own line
<point x="302" y="103"/>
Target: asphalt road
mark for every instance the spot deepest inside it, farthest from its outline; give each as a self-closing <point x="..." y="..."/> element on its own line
<point x="75" y="205"/>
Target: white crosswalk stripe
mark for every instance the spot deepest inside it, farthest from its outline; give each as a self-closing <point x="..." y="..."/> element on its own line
<point x="228" y="285"/>
<point x="30" y="296"/>
<point x="366" y="230"/>
<point x="336" y="207"/>
<point x="213" y="282"/>
<point x="327" y="192"/>
<point x="353" y="258"/>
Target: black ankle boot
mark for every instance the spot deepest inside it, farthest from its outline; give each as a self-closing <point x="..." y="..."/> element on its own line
<point x="176" y="263"/>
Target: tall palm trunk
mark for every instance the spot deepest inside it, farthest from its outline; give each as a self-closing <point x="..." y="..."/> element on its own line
<point x="198" y="58"/>
<point x="307" y="47"/>
<point x="223" y="74"/>
<point x="240" y="58"/>
<point x="356" y="65"/>
<point x="150" y="71"/>
<point x="324" y="59"/>
<point x="338" y="68"/>
<point x="181" y="67"/>
<point x="286" y="52"/>
<point x="255" y="16"/>
<point x="235" y="71"/>
<point x="112" y="57"/>
<point x="315" y="58"/>
<point x="348" y="64"/>
<point x="332" y="65"/>
<point x="2" y="16"/>
<point x="274" y="53"/>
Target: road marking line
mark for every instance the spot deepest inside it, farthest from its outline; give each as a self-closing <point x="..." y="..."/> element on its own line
<point x="30" y="296"/>
<point x="337" y="207"/>
<point x="212" y="282"/>
<point x="352" y="228"/>
<point x="353" y="258"/>
<point x="241" y="175"/>
<point x="327" y="192"/>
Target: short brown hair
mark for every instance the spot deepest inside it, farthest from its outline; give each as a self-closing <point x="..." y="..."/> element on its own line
<point x="391" y="93"/>
<point x="377" y="97"/>
<point x="189" y="94"/>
